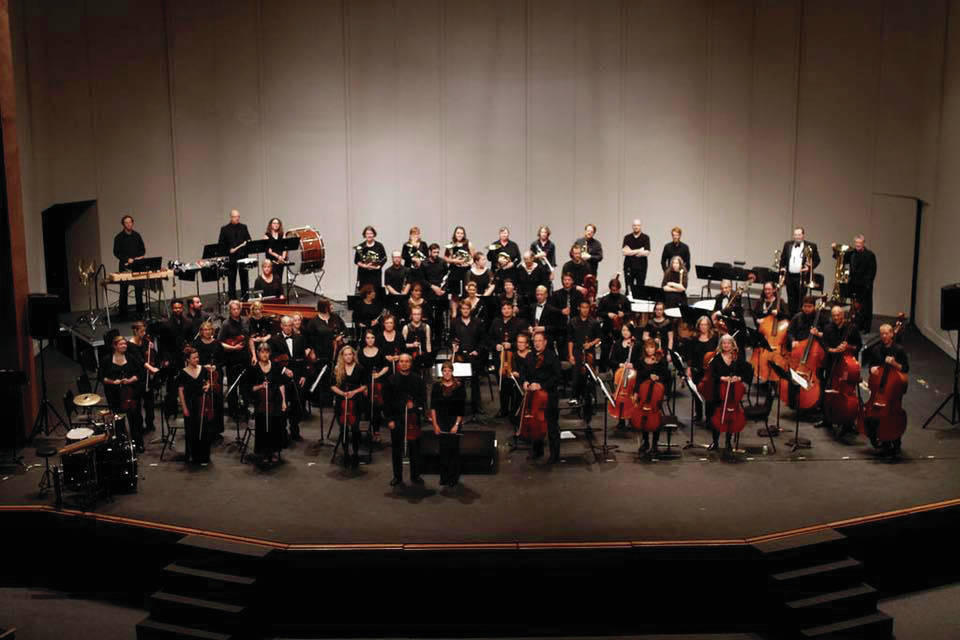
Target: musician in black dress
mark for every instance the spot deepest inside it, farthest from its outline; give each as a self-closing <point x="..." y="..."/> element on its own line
<point x="727" y="366"/>
<point x="479" y="274"/>
<point x="696" y="348"/>
<point x="506" y="247"/>
<point x="612" y="310"/>
<point x="418" y="300"/>
<point x="578" y="268"/>
<point x="447" y="399"/>
<point x="624" y="352"/>
<point x="367" y="312"/>
<point x="501" y="341"/>
<point x="544" y="251"/>
<point x="543" y="371"/>
<point x="233" y="237"/>
<point x="414" y="251"/>
<point x="233" y="337"/>
<point x="591" y="249"/>
<point x="275" y="251"/>
<point x="770" y="303"/>
<point x="396" y="280"/>
<point x="349" y="387"/>
<point x="265" y="388"/>
<point x="390" y="341"/>
<point x="886" y="352"/>
<point x="210" y="352"/>
<point x="863" y="271"/>
<point x="292" y="352"/>
<point x="268" y="283"/>
<point x="675" y="248"/>
<point x="797" y="259"/>
<point x="659" y="329"/>
<point x="674" y="283"/>
<point x="144" y="349"/>
<point x="195" y="392"/>
<point x="369" y="256"/>
<point x="418" y="341"/>
<point x="459" y="257"/>
<point x="583" y="335"/>
<point x="650" y="366"/>
<point x="635" y="249"/>
<point x="127" y="247"/>
<point x="467" y="339"/>
<point x="121" y="377"/>
<point x="404" y="400"/>
<point x="376" y="367"/>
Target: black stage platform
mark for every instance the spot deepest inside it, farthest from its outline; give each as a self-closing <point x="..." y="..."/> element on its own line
<point x="697" y="498"/>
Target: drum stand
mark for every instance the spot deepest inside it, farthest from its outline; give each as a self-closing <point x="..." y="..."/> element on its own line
<point x="42" y="421"/>
<point x="954" y="397"/>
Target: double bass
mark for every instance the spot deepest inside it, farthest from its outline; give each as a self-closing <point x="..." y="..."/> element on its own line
<point x="774" y="330"/>
<point x="626" y="382"/>
<point x="841" y="404"/>
<point x="805" y="358"/>
<point x="887" y="386"/>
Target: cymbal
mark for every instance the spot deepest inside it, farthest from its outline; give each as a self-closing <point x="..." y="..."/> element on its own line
<point x="87" y="400"/>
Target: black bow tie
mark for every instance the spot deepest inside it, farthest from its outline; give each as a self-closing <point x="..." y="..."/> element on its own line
<point x="796" y="245"/>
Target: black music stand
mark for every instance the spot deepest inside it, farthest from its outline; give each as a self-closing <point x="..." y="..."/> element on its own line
<point x="796" y="442"/>
<point x="291" y="243"/>
<point x="694" y="396"/>
<point x="652" y="294"/>
<point x="708" y="273"/>
<point x="256" y="246"/>
<point x="606" y="448"/>
<point x="690" y="315"/>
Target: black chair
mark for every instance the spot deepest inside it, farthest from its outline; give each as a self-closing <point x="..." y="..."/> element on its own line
<point x="758" y="413"/>
<point x="669" y="425"/>
<point x="46" y="480"/>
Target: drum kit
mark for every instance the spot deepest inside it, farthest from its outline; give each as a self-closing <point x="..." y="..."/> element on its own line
<point x="97" y="460"/>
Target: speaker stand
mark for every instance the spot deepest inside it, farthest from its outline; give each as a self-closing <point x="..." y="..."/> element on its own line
<point x="42" y="421"/>
<point x="954" y="397"/>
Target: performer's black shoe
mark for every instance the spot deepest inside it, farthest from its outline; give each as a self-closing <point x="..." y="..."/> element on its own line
<point x="645" y="445"/>
<point x="713" y="446"/>
<point x="395" y="481"/>
<point x="417" y="480"/>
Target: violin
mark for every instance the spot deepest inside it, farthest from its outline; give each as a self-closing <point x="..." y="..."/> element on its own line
<point x="887" y="387"/>
<point x="729" y="416"/>
<point x="647" y="415"/>
<point x="805" y="358"/>
<point x="128" y="401"/>
<point x="506" y="361"/>
<point x="774" y="329"/>
<point x="626" y="381"/>
<point x="841" y="404"/>
<point x="347" y="416"/>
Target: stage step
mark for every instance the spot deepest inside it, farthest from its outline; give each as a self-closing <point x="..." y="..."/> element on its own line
<point x="216" y="585"/>
<point x="150" y="629"/>
<point x="819" y="578"/>
<point x="802" y="550"/>
<point x="827" y="607"/>
<point x="876" y="626"/>
<point x="210" y="615"/>
<point x="201" y="552"/>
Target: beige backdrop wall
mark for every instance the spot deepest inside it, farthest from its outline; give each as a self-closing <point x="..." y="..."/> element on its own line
<point x="735" y="119"/>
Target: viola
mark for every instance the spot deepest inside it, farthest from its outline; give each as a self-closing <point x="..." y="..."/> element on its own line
<point x="647" y="415"/>
<point x="841" y="404"/>
<point x="729" y="417"/>
<point x="626" y="382"/>
<point x="235" y="341"/>
<point x="887" y="387"/>
<point x="347" y="416"/>
<point x="805" y="358"/>
<point x="533" y="416"/>
<point x="128" y="400"/>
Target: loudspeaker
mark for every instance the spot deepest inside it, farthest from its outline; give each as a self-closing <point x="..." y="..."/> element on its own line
<point x="478" y="451"/>
<point x="42" y="312"/>
<point x="950" y="307"/>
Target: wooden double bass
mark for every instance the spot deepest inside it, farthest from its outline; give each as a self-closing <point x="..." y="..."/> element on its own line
<point x="841" y="404"/>
<point x="805" y="358"/>
<point x="774" y="330"/>
<point x="887" y="386"/>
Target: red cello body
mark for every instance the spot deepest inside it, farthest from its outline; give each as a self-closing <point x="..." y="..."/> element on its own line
<point x="626" y="382"/>
<point x="128" y="400"/>
<point x="647" y="415"/>
<point x="729" y="417"/>
<point x="347" y="416"/>
<point x="533" y="418"/>
<point x="705" y="386"/>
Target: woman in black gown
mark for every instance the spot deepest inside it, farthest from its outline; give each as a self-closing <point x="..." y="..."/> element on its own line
<point x="390" y="341"/>
<point x="675" y="283"/>
<point x="121" y="384"/>
<point x="275" y="252"/>
<point x="447" y="400"/>
<point x="651" y="366"/>
<point x="211" y="358"/>
<point x="194" y="390"/>
<point x="366" y="314"/>
<point x="726" y="366"/>
<point x="376" y="367"/>
<point x="626" y="352"/>
<point x="349" y="385"/>
<point x="267" y="282"/>
<point x="697" y="347"/>
<point x="265" y="389"/>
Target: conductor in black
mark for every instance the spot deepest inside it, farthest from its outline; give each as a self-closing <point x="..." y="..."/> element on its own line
<point x="233" y="239"/>
<point x="127" y="247"/>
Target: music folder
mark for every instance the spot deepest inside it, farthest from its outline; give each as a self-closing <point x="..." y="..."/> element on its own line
<point x="147" y="264"/>
<point x="215" y="250"/>
<point x="256" y="246"/>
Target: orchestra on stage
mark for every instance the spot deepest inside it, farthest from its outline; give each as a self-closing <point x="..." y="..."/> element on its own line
<point x="428" y="325"/>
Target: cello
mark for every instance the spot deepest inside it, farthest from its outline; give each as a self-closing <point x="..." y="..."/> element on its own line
<point x="729" y="416"/>
<point x="533" y="416"/>
<point x="774" y="330"/>
<point x="805" y="358"/>
<point x="887" y="386"/>
<point x="626" y="381"/>
<point x="841" y="404"/>
<point x="647" y="415"/>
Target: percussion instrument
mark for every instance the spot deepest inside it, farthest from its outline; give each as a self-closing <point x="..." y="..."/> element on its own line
<point x="279" y="309"/>
<point x="87" y="400"/>
<point x="129" y="276"/>
<point x="74" y="436"/>
<point x="248" y="263"/>
<point x="312" y="251"/>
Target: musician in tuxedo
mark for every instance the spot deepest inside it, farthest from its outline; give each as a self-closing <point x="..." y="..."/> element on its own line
<point x="404" y="394"/>
<point x="543" y="317"/>
<point x="234" y="335"/>
<point x="369" y="256"/>
<point x="502" y="339"/>
<point x="729" y="304"/>
<point x="635" y="249"/>
<point x="675" y="248"/>
<point x="542" y="371"/>
<point x="291" y="351"/>
<point x="795" y="264"/>
<point x="128" y="247"/>
<point x="863" y="271"/>
<point x="232" y="236"/>
<point x="590" y="248"/>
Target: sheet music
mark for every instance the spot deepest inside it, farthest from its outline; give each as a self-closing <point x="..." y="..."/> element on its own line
<point x="799" y="380"/>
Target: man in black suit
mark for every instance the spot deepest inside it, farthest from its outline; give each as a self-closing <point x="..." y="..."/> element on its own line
<point x="127" y="247"/>
<point x="290" y="344"/>
<point x="545" y="374"/>
<point x="543" y="317"/>
<point x="796" y="259"/>
<point x="232" y="236"/>
<point x="863" y="270"/>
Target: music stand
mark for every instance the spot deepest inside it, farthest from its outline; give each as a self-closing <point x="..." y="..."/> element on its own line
<point x="606" y="448"/>
<point x="653" y="294"/>
<point x="690" y="315"/>
<point x="792" y="378"/>
<point x="708" y="273"/>
<point x="953" y="397"/>
<point x="694" y="396"/>
<point x="256" y="246"/>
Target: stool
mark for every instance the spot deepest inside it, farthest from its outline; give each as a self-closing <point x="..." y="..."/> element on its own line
<point x="46" y="480"/>
<point x="669" y="425"/>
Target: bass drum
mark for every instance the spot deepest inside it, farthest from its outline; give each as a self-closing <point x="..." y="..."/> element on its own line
<point x="118" y="466"/>
<point x="312" y="252"/>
